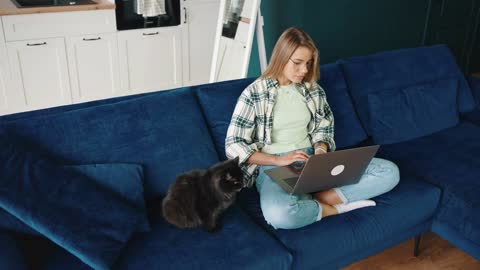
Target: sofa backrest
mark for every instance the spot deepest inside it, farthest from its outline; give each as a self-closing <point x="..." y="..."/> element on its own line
<point x="408" y="93"/>
<point x="348" y="129"/>
<point x="218" y="101"/>
<point x="405" y="67"/>
<point x="163" y="131"/>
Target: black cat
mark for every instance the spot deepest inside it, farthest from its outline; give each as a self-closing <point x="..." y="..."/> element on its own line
<point x="198" y="197"/>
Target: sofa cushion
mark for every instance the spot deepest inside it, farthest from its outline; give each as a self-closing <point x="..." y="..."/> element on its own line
<point x="348" y="129"/>
<point x="328" y="240"/>
<point x="165" y="132"/>
<point x="124" y="179"/>
<point x="10" y="254"/>
<point x="401" y="114"/>
<point x="448" y="159"/>
<point x="240" y="244"/>
<point x="400" y="69"/>
<point x="64" y="205"/>
<point x="218" y="101"/>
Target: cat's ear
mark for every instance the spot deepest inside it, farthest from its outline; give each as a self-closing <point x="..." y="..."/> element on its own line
<point x="236" y="159"/>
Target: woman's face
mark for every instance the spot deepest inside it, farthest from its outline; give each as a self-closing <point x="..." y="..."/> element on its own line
<point x="297" y="66"/>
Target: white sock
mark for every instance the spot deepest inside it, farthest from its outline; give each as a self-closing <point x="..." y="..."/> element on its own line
<point x="346" y="207"/>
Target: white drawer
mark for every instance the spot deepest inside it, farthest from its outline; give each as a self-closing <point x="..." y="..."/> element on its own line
<point x="56" y="24"/>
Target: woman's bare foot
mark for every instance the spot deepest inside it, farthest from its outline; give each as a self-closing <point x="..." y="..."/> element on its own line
<point x="328" y="210"/>
<point x="329" y="197"/>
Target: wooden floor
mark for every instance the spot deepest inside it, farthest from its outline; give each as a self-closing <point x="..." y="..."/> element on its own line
<point x="435" y="254"/>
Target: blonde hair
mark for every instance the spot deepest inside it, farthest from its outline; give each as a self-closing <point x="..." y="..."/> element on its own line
<point x="287" y="43"/>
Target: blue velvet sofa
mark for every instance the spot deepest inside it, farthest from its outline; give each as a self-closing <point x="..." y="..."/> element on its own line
<point x="81" y="185"/>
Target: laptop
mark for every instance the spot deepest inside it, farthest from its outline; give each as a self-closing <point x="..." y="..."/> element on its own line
<point x="325" y="171"/>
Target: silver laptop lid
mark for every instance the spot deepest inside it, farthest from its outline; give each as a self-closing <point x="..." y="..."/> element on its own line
<point x="334" y="169"/>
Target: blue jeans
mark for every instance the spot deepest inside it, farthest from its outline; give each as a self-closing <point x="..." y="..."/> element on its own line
<point x="284" y="211"/>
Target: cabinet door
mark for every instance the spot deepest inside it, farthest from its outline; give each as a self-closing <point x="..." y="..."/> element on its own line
<point x="199" y="25"/>
<point x="93" y="67"/>
<point x="5" y="103"/>
<point x="150" y="59"/>
<point x="4" y="95"/>
<point x="39" y="73"/>
<point x="230" y="54"/>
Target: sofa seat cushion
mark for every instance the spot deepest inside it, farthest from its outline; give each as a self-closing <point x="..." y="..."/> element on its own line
<point x="240" y="244"/>
<point x="448" y="159"/>
<point x="348" y="129"/>
<point x="218" y="101"/>
<point x="328" y="240"/>
<point x="165" y="132"/>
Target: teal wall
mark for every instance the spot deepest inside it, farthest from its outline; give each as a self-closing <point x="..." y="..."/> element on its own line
<point x="345" y="28"/>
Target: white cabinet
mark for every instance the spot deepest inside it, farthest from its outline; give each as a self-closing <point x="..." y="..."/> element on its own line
<point x="199" y="23"/>
<point x="52" y="59"/>
<point x="4" y="97"/>
<point x="231" y="54"/>
<point x="150" y="59"/>
<point x="93" y="67"/>
<point x="4" y="107"/>
<point x="55" y="24"/>
<point x="39" y="73"/>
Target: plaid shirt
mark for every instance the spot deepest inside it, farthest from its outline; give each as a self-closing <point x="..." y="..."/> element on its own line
<point x="252" y="121"/>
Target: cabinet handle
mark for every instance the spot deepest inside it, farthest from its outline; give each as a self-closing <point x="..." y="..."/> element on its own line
<point x="185" y="15"/>
<point x="92" y="39"/>
<point x="37" y="44"/>
<point x="150" y="34"/>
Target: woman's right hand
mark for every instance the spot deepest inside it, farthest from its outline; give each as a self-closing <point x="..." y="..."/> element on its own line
<point x="291" y="157"/>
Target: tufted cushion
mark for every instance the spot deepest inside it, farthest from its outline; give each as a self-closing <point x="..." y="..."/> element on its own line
<point x="402" y="68"/>
<point x="397" y="115"/>
<point x="348" y="129"/>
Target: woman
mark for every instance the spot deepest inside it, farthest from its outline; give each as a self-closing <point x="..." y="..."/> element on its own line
<point x="282" y="118"/>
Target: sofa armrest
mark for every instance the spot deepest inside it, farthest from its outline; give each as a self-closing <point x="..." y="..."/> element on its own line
<point x="474" y="83"/>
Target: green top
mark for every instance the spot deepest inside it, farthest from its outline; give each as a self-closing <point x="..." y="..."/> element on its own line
<point x="290" y="121"/>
